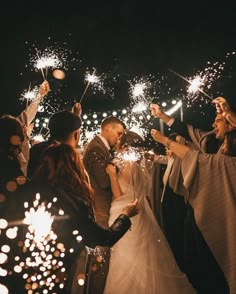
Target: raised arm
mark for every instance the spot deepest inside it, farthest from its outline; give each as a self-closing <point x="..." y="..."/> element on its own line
<point x="157" y="112"/>
<point x="178" y="149"/>
<point x="28" y="114"/>
<point x="222" y="106"/>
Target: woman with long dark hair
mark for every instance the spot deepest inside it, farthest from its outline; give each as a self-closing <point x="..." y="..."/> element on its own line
<point x="62" y="182"/>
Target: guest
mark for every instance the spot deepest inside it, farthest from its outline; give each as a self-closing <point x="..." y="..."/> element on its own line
<point x="11" y="139"/>
<point x="200" y="264"/>
<point x="64" y="126"/>
<point x="173" y="206"/>
<point x="11" y="183"/>
<point x="208" y="177"/>
<point x="61" y="175"/>
<point x="26" y="117"/>
<point x="223" y="107"/>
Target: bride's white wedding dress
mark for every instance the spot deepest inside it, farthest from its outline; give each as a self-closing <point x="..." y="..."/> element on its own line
<point x="141" y="261"/>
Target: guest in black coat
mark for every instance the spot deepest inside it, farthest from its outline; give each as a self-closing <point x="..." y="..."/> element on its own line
<point x="61" y="175"/>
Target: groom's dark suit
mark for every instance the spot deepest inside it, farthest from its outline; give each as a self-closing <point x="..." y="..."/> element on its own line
<point x="95" y="158"/>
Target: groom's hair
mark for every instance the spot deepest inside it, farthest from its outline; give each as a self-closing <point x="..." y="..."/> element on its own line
<point x="112" y="120"/>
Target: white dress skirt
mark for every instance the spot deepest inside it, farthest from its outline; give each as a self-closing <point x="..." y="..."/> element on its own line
<point x="141" y="261"/>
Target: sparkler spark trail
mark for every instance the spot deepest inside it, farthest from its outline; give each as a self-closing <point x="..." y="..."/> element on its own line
<point x="90" y="78"/>
<point x="30" y="95"/>
<point x="195" y="83"/>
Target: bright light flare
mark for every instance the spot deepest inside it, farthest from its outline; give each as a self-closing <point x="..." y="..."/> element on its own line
<point x="30" y="95"/>
<point x="39" y="221"/>
<point x="196" y="84"/>
<point x="131" y="154"/>
<point x="140" y="107"/>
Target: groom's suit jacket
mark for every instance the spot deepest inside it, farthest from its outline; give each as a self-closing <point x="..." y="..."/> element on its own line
<point x="95" y="158"/>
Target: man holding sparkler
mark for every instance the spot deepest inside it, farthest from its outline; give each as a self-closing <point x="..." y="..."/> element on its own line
<point x="210" y="182"/>
<point x="26" y="117"/>
<point x="200" y="265"/>
<point x="64" y="127"/>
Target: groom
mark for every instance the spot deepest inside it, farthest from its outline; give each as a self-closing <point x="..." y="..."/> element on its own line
<point x="96" y="158"/>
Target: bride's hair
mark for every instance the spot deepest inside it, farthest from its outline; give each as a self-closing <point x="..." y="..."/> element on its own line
<point x="131" y="139"/>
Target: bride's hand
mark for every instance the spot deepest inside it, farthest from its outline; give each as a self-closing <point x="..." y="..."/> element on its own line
<point x="111" y="169"/>
<point x="131" y="209"/>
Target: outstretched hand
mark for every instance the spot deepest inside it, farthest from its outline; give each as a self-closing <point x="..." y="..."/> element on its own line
<point x="77" y="108"/>
<point x="131" y="209"/>
<point x="158" y="136"/>
<point x="221" y="105"/>
<point x="44" y="88"/>
<point x="156" y="110"/>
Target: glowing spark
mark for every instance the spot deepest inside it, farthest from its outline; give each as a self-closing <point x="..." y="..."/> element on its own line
<point x="140" y="107"/>
<point x="194" y="83"/>
<point x="138" y="89"/>
<point x="131" y="154"/>
<point x="39" y="221"/>
<point x="90" y="78"/>
<point x="48" y="61"/>
<point x="30" y="95"/>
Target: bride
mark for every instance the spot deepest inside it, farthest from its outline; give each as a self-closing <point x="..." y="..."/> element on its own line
<point x="142" y="261"/>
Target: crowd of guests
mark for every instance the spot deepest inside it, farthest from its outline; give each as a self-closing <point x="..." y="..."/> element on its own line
<point x="115" y="231"/>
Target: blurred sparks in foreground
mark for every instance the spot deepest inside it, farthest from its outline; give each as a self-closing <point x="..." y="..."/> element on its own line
<point x="39" y="256"/>
<point x="39" y="221"/>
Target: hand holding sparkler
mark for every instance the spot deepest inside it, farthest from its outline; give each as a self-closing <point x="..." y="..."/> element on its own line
<point x="44" y="88"/>
<point x="131" y="209"/>
<point x="159" y="137"/>
<point x="77" y="108"/>
<point x="157" y="112"/>
<point x="223" y="107"/>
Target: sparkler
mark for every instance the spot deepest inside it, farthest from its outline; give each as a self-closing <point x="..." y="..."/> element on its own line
<point x="140" y="107"/>
<point x="195" y="84"/>
<point x="132" y="154"/>
<point x="39" y="256"/>
<point x="91" y="78"/>
<point x="45" y="61"/>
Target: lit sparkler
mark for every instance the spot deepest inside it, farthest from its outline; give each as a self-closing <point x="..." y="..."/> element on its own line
<point x="130" y="154"/>
<point x="196" y="84"/>
<point x="30" y="95"/>
<point x="140" y="107"/>
<point x="90" y="78"/>
<point x="45" y="60"/>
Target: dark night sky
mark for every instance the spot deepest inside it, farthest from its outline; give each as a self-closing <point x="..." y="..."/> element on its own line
<point x="129" y="38"/>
